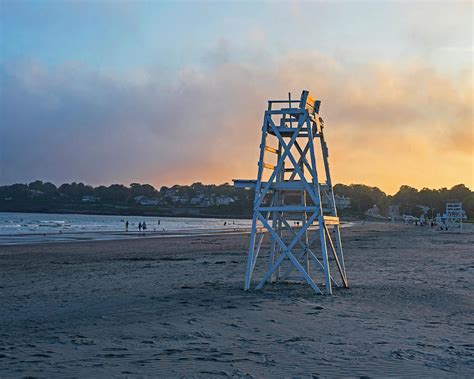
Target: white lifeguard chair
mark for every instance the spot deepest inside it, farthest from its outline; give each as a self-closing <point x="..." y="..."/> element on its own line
<point x="452" y="219"/>
<point x="293" y="204"/>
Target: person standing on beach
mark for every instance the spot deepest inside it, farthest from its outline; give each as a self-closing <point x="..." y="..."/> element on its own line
<point x="144" y="226"/>
<point x="126" y="226"/>
<point x="139" y="226"/>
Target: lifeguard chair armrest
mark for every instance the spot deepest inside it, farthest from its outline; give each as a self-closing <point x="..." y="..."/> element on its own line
<point x="309" y="102"/>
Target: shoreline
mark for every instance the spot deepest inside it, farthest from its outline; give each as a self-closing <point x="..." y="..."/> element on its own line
<point x="16" y="240"/>
<point x="112" y="235"/>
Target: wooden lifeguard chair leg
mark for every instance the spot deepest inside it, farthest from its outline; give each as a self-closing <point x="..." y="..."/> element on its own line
<point x="324" y="251"/>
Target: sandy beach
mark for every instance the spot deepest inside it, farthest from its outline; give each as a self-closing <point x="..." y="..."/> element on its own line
<point x="174" y="307"/>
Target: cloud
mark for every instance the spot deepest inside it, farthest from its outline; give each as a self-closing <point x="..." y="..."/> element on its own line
<point x="386" y="124"/>
<point x="437" y="25"/>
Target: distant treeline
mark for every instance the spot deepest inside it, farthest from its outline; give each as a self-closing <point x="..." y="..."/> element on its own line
<point x="208" y="200"/>
<point x="408" y="199"/>
<point x="140" y="199"/>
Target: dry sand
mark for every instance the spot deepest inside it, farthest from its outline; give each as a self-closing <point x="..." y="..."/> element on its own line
<point x="175" y="307"/>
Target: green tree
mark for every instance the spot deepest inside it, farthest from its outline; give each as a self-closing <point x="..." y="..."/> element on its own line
<point x="459" y="192"/>
<point x="37" y="185"/>
<point x="468" y="205"/>
<point x="147" y="190"/>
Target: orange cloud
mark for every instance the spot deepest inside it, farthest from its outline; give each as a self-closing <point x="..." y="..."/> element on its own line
<point x="386" y="124"/>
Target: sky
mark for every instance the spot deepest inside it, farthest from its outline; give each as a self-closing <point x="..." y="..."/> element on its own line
<point x="174" y="92"/>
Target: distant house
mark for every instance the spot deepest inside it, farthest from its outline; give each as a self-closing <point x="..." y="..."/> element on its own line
<point x="196" y="200"/>
<point x="170" y="193"/>
<point x="89" y="199"/>
<point x="150" y="201"/>
<point x="224" y="200"/>
<point x="342" y="202"/>
<point x="183" y="199"/>
<point x="35" y="193"/>
<point x="143" y="200"/>
<point x="207" y="202"/>
<point x="394" y="211"/>
<point x="373" y="212"/>
<point x="174" y="198"/>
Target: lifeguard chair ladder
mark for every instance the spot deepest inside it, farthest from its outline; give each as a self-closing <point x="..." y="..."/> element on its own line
<point x="289" y="192"/>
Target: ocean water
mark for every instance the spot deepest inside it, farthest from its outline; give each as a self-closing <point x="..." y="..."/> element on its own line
<point x="26" y="228"/>
<point x="41" y="223"/>
<point x="21" y="228"/>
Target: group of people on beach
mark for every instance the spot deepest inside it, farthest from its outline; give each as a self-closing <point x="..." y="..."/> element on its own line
<point x="141" y="225"/>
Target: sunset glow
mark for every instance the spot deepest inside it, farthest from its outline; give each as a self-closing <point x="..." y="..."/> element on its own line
<point x="114" y="92"/>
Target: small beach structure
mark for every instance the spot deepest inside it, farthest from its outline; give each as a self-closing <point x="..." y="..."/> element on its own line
<point x="452" y="219"/>
<point x="294" y="201"/>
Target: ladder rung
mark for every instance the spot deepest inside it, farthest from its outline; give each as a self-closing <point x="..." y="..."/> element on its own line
<point x="331" y="220"/>
<point x="271" y="149"/>
<point x="269" y="166"/>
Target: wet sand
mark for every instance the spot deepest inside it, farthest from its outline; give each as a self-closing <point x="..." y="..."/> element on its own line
<point x="175" y="307"/>
<point x="110" y="235"/>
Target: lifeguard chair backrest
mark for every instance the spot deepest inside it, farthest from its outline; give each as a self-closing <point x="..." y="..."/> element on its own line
<point x="309" y="102"/>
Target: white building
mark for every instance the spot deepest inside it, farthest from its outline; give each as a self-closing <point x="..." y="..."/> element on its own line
<point x="149" y="202"/>
<point x="143" y="200"/>
<point x="174" y="198"/>
<point x="394" y="211"/>
<point x="342" y="202"/>
<point x="224" y="200"/>
<point x="35" y="193"/>
<point x="89" y="199"/>
<point x="207" y="202"/>
<point x="373" y="212"/>
<point x="196" y="200"/>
